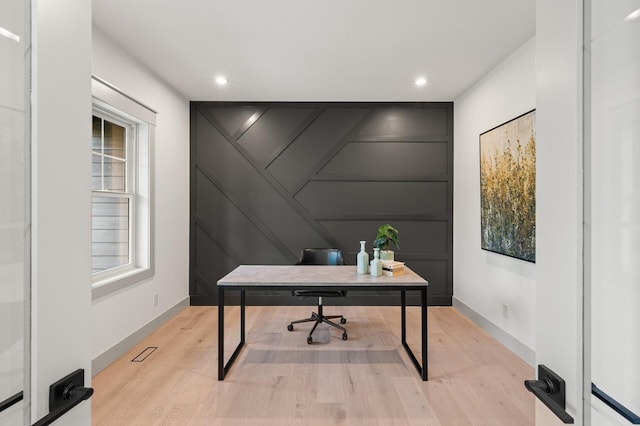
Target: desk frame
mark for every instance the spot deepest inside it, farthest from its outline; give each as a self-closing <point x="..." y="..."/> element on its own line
<point x="421" y="367"/>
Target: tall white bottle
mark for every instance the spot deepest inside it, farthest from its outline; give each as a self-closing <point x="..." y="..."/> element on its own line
<point x="376" y="263"/>
<point x="363" y="259"/>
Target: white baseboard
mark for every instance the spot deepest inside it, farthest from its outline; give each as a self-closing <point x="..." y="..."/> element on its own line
<point x="513" y="344"/>
<point x="119" y="349"/>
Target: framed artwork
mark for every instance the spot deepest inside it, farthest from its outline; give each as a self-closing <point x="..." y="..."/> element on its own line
<point x="508" y="188"/>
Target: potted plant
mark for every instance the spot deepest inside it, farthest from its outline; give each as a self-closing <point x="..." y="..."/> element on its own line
<point x="387" y="235"/>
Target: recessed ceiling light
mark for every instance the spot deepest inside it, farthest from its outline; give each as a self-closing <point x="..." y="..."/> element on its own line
<point x="222" y="81"/>
<point x="633" y="15"/>
<point x="420" y="81"/>
<point x="8" y="34"/>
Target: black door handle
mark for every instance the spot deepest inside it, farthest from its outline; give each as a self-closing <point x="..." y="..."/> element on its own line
<point x="550" y="389"/>
<point x="65" y="394"/>
<point x="632" y="417"/>
<point x="13" y="399"/>
<point x="544" y="386"/>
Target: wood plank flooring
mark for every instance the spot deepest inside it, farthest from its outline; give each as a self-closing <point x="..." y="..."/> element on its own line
<point x="280" y="380"/>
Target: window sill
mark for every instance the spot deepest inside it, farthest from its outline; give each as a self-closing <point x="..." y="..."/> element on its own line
<point x="112" y="284"/>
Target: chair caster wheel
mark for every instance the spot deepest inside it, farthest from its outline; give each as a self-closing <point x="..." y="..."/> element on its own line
<point x="309" y="340"/>
<point x="344" y="336"/>
<point x="290" y="327"/>
<point x="343" y="320"/>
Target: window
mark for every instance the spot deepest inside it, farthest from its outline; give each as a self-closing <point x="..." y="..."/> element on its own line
<point x="113" y="198"/>
<point x="121" y="183"/>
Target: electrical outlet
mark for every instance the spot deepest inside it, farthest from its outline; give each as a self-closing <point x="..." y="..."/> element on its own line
<point x="155" y="299"/>
<point x="505" y="310"/>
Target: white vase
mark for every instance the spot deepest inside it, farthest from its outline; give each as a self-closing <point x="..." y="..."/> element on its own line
<point x="376" y="263"/>
<point x="362" y="259"/>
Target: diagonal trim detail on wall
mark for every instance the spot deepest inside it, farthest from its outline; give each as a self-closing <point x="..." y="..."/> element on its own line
<point x="275" y="184"/>
<point x="277" y="177"/>
<point x="331" y="153"/>
<point x="287" y="143"/>
<point x="248" y="213"/>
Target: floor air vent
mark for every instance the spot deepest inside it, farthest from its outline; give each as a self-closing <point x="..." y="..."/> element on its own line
<point x="144" y="354"/>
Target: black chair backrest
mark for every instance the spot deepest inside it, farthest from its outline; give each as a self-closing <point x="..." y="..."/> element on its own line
<point x="321" y="256"/>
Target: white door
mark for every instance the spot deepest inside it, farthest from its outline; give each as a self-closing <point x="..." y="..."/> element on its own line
<point x="59" y="113"/>
<point x="13" y="212"/>
<point x="612" y="225"/>
<point x="559" y="200"/>
<point x="588" y="205"/>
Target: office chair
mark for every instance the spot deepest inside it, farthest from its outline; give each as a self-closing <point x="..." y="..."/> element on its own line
<point x="322" y="256"/>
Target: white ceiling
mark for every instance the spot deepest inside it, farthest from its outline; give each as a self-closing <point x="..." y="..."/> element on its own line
<point x="318" y="50"/>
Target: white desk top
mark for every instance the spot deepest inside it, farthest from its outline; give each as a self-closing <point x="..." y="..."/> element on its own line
<point x="313" y="275"/>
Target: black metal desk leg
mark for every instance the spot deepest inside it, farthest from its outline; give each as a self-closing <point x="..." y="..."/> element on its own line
<point x="242" y="306"/>
<point x="220" y="333"/>
<point x="422" y="369"/>
<point x="403" y="315"/>
<point x="223" y="368"/>
<point x="423" y="301"/>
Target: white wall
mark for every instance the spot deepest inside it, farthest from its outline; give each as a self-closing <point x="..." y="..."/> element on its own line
<point x="117" y="316"/>
<point x="484" y="281"/>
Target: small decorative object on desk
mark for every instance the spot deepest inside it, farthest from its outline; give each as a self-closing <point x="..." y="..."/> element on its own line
<point x="363" y="259"/>
<point x="376" y="263"/>
<point x="387" y="234"/>
<point x="392" y="268"/>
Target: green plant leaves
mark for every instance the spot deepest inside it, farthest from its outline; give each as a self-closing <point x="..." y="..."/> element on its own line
<point x="387" y="234"/>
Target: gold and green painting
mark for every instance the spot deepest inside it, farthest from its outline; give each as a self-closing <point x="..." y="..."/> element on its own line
<point x="508" y="188"/>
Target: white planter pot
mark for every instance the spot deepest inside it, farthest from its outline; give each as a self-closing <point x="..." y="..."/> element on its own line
<point x="386" y="255"/>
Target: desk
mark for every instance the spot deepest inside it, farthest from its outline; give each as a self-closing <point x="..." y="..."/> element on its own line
<point x="290" y="277"/>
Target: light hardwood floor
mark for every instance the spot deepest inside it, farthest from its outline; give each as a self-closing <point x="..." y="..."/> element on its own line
<point x="280" y="380"/>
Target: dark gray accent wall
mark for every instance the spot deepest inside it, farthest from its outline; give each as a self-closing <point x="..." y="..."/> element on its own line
<point x="268" y="179"/>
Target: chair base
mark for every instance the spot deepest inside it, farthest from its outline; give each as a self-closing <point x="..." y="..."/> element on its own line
<point x="318" y="318"/>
